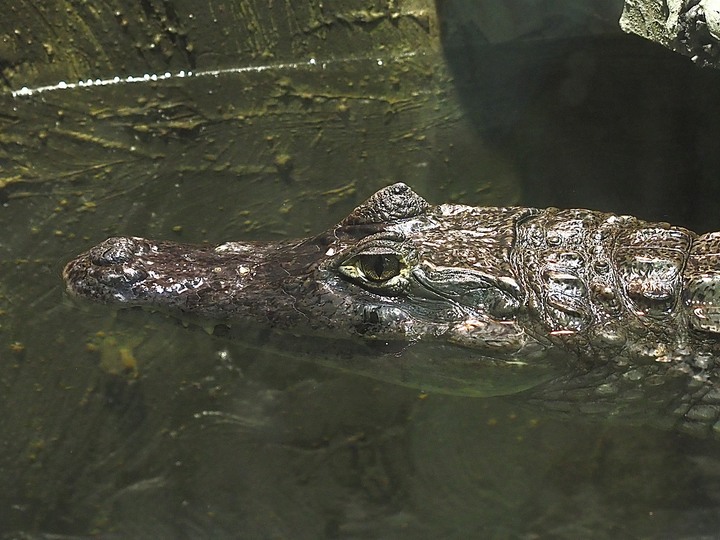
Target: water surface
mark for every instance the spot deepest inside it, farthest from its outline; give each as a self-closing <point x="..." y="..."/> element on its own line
<point x="131" y="424"/>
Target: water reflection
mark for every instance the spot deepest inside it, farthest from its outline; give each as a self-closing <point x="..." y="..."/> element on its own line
<point x="134" y="425"/>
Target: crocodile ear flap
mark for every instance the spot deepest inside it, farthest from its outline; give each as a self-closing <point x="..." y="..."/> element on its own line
<point x="391" y="203"/>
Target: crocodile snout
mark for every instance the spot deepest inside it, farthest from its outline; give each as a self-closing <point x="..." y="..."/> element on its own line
<point x="117" y="250"/>
<point x="109" y="270"/>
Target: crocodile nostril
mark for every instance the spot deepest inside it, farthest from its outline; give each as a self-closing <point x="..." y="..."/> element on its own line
<point x="118" y="250"/>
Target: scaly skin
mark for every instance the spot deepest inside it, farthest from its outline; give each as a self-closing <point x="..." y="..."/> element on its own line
<point x="603" y="294"/>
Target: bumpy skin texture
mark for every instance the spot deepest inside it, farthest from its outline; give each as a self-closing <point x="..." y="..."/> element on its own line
<point x="627" y="300"/>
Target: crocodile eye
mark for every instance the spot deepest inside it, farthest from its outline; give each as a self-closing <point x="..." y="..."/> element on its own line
<point x="379" y="267"/>
<point x="382" y="272"/>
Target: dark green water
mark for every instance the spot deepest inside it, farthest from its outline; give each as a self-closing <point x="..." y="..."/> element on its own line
<point x="130" y="425"/>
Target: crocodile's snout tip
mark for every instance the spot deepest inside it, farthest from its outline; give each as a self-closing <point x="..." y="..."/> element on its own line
<point x="105" y="269"/>
<point x="116" y="250"/>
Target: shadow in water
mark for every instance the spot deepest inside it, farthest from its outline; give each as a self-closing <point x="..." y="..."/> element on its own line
<point x="608" y="121"/>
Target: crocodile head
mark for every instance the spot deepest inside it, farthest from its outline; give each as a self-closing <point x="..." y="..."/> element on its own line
<point x="395" y="269"/>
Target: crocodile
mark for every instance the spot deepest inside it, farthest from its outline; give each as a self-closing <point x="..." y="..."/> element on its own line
<point x="588" y="306"/>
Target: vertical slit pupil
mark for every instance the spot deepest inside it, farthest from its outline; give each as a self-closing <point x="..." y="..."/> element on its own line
<point x="380" y="267"/>
<point x="380" y="261"/>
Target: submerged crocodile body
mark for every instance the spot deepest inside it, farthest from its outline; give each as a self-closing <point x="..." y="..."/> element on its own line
<point x="515" y="284"/>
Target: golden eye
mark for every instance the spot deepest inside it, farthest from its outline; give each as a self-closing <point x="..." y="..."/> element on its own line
<point x="379" y="267"/>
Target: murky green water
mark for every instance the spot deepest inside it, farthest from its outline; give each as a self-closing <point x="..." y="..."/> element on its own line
<point x="131" y="425"/>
